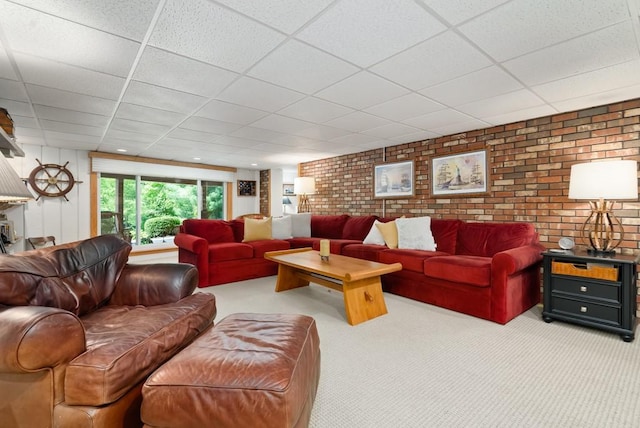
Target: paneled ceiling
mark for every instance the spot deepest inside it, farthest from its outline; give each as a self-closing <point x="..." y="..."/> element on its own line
<point x="271" y="83"/>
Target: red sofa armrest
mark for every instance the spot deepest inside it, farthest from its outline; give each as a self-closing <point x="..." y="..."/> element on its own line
<point x="516" y="259"/>
<point x="194" y="250"/>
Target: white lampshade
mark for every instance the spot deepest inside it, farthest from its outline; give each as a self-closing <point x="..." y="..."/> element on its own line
<point x="304" y="185"/>
<point x="611" y="180"/>
<point x="12" y="189"/>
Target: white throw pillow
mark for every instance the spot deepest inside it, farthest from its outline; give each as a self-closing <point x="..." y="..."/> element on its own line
<point x="414" y="233"/>
<point x="301" y="225"/>
<point x="281" y="228"/>
<point x="374" y="236"/>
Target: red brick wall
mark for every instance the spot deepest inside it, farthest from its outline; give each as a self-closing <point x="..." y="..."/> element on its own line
<point x="529" y="173"/>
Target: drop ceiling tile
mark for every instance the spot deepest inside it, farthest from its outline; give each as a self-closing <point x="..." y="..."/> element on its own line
<point x="285" y="15"/>
<point x="235" y="143"/>
<point x="367" y="31"/>
<point x="455" y="57"/>
<point x="148" y="114"/>
<point x="391" y="130"/>
<point x="265" y="135"/>
<point x="354" y="139"/>
<point x="457" y="11"/>
<point x="474" y="86"/>
<point x="275" y="122"/>
<point x="416" y="136"/>
<point x="358" y="121"/>
<point x="189" y="134"/>
<point x="517" y="100"/>
<point x="522" y="26"/>
<point x="24" y="131"/>
<point x="130" y="136"/>
<point x="599" y="98"/>
<point x="6" y="70"/>
<point x="208" y="32"/>
<point x="260" y="95"/>
<point x="17" y="108"/>
<point x="65" y="136"/>
<point x="405" y="107"/>
<point x="72" y="145"/>
<point x="209" y="125"/>
<point x="172" y="71"/>
<point x="13" y="90"/>
<point x="614" y="45"/>
<point x="456" y="128"/>
<point x="30" y="139"/>
<point x="436" y="119"/>
<point x="70" y="101"/>
<point x="122" y="17"/>
<point x="604" y="80"/>
<point x="23" y="122"/>
<point x="362" y="90"/>
<point x="301" y="67"/>
<point x="68" y="78"/>
<point x="71" y="128"/>
<point x="227" y="112"/>
<point x="70" y="116"/>
<point x="322" y="132"/>
<point x="141" y="127"/>
<point x="315" y="110"/>
<point x="166" y="99"/>
<point x="517" y="115"/>
<point x="113" y="144"/>
<point x="67" y="42"/>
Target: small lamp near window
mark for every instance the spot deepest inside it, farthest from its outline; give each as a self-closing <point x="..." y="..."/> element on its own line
<point x="603" y="183"/>
<point x="304" y="186"/>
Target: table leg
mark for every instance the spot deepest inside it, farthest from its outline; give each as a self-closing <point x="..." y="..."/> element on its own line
<point x="288" y="278"/>
<point x="363" y="300"/>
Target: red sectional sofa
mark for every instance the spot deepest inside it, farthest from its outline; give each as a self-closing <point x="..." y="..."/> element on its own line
<point x="488" y="270"/>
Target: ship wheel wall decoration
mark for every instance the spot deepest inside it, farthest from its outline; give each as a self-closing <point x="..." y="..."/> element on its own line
<point x="51" y="180"/>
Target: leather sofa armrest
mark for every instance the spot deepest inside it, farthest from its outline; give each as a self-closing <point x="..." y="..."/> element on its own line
<point x="517" y="259"/>
<point x="36" y="337"/>
<point x="154" y="284"/>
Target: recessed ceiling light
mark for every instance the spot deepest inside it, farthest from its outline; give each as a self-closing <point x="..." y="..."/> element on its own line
<point x="254" y="164"/>
<point x="121" y="150"/>
<point x="196" y="158"/>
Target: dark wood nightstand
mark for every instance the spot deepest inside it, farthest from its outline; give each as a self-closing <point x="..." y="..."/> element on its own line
<point x="596" y="291"/>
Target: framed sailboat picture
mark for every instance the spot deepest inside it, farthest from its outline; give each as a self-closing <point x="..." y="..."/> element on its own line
<point x="394" y="180"/>
<point x="460" y="174"/>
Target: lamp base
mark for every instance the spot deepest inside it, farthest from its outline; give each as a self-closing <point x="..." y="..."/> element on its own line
<point x="305" y="206"/>
<point x="596" y="252"/>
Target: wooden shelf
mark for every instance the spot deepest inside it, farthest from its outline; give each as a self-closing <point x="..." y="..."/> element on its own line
<point x="8" y="145"/>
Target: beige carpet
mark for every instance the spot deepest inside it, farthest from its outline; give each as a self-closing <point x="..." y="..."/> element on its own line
<point x="424" y="366"/>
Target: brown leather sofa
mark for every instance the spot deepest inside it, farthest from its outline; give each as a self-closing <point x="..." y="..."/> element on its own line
<point x="81" y="330"/>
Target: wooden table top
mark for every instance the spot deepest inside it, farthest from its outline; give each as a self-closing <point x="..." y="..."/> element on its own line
<point x="339" y="267"/>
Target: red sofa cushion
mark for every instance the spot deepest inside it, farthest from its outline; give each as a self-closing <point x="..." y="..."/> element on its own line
<point x="229" y="251"/>
<point x="262" y="246"/>
<point x="357" y="227"/>
<point x="213" y="231"/>
<point x="328" y="226"/>
<point x="445" y="233"/>
<point x="336" y="245"/>
<point x="364" y="251"/>
<point x="303" y="242"/>
<point x="487" y="239"/>
<point x="410" y="259"/>
<point x="472" y="270"/>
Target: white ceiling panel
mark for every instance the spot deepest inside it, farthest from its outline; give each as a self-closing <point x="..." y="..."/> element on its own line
<point x="165" y="99"/>
<point x="285" y="15"/>
<point x="315" y="110"/>
<point x="301" y="67"/>
<point x="64" y="41"/>
<point x="211" y="33"/>
<point x="260" y="95"/>
<point x="305" y="79"/>
<point x="522" y="26"/>
<point x="474" y="86"/>
<point x="405" y="107"/>
<point x="614" y="45"/>
<point x="367" y="31"/>
<point x="172" y="71"/>
<point x="228" y="112"/>
<point x="362" y="90"/>
<point x="455" y="57"/>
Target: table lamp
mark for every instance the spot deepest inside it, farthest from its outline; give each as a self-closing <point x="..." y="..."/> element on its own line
<point x="603" y="183"/>
<point x="303" y="186"/>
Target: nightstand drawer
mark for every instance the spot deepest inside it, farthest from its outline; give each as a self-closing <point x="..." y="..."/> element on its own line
<point x="587" y="310"/>
<point x="608" y="291"/>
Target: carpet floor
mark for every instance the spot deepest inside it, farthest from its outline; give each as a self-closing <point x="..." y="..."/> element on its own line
<point x="424" y="366"/>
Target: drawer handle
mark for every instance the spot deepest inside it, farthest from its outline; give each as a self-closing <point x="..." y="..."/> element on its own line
<point x="583" y="309"/>
<point x="583" y="289"/>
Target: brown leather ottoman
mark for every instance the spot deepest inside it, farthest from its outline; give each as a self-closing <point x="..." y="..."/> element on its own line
<point x="249" y="370"/>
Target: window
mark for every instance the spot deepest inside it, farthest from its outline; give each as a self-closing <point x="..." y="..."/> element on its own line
<point x="148" y="210"/>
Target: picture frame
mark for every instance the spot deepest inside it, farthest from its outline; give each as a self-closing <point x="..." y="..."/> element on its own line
<point x="394" y="180"/>
<point x="246" y="188"/>
<point x="287" y="189"/>
<point x="460" y="174"/>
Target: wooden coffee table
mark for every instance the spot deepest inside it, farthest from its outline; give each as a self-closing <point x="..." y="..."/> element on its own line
<point x="357" y="279"/>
